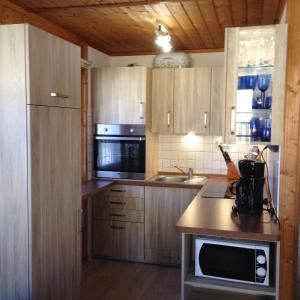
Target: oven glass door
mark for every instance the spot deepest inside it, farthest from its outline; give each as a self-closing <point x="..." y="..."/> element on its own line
<point x="227" y="262"/>
<point x="120" y="154"/>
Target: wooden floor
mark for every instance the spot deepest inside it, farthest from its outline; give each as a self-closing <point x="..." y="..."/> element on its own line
<point x="114" y="280"/>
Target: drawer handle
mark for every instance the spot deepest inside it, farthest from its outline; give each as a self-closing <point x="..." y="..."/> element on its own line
<point x="169" y="119"/>
<point x="116" y="202"/>
<point x="205" y="115"/>
<point x="232" y="121"/>
<point x="117" y="227"/>
<point x="117" y="215"/>
<point x="58" y="95"/>
<point x="118" y="191"/>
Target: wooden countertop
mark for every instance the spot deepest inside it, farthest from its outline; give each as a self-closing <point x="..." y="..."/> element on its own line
<point x="94" y="187"/>
<point x="214" y="217"/>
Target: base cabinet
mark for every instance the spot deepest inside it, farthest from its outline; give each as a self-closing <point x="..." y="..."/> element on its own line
<point x="163" y="208"/>
<point x="122" y="240"/>
<point x="118" y="223"/>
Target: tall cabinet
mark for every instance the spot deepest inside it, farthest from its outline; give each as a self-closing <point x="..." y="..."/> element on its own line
<point x="40" y="182"/>
<point x="255" y="63"/>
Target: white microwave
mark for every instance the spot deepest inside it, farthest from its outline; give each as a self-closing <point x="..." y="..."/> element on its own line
<point x="239" y="261"/>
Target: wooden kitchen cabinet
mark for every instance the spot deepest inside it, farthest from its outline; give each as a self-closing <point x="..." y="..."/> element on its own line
<point x="163" y="208"/>
<point x="188" y="99"/>
<point x="120" y="95"/>
<point x="241" y="110"/>
<point x="40" y="180"/>
<point x="118" y="223"/>
<point x="192" y="97"/>
<point x="162" y="100"/>
<point x="54" y="70"/>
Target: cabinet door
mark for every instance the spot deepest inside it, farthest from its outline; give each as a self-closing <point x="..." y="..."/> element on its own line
<point x="54" y="144"/>
<point x="217" y="105"/>
<point x="162" y="100"/>
<point x="105" y="96"/>
<point x="231" y="62"/>
<point x="192" y="100"/>
<point x="122" y="240"/>
<point x="163" y="208"/>
<point x="54" y="70"/>
<point x="132" y="94"/>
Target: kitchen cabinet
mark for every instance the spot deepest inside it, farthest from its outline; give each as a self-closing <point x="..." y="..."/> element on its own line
<point x="192" y="91"/>
<point x="187" y="99"/>
<point x="118" y="223"/>
<point x="40" y="180"/>
<point x="54" y="70"/>
<point x="255" y="60"/>
<point x="120" y="95"/>
<point x="162" y="100"/>
<point x="163" y="208"/>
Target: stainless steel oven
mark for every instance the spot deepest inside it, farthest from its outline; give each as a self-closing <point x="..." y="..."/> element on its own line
<point x="119" y="151"/>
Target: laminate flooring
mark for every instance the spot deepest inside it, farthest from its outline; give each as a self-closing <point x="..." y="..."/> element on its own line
<point x="118" y="280"/>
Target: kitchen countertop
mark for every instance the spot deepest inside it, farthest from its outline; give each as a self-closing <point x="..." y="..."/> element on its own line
<point x="94" y="187"/>
<point x="214" y="217"/>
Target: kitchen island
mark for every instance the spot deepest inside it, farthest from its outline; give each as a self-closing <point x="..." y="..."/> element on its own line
<point x="213" y="217"/>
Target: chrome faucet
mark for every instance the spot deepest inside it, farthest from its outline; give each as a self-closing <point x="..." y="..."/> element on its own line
<point x="189" y="173"/>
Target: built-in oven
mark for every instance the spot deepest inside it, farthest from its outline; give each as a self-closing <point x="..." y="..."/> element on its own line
<point x="240" y="261"/>
<point x="119" y="151"/>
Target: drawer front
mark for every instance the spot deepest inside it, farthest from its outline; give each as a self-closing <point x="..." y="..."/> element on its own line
<point x="133" y="191"/>
<point x="116" y="239"/>
<point x="112" y="214"/>
<point x="164" y="257"/>
<point x="109" y="200"/>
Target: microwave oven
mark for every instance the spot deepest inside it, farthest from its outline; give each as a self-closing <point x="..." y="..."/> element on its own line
<point x="239" y="261"/>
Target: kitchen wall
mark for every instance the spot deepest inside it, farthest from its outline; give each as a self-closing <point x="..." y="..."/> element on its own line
<point x="198" y="152"/>
<point x="197" y="60"/>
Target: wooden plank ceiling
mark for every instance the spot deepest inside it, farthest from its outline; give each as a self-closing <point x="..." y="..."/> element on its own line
<point x="123" y="27"/>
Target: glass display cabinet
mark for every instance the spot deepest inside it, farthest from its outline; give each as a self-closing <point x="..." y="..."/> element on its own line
<point x="255" y="59"/>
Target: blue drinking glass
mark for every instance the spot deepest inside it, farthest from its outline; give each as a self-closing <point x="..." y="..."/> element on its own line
<point x="255" y="129"/>
<point x="263" y="82"/>
<point x="268" y="102"/>
<point x="250" y="82"/>
<point x="241" y="82"/>
<point x="266" y="130"/>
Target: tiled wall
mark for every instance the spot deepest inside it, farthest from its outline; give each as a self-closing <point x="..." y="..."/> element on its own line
<point x="198" y="152"/>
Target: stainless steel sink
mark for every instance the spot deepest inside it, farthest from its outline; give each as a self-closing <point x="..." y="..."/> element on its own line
<point x="174" y="179"/>
<point x="181" y="179"/>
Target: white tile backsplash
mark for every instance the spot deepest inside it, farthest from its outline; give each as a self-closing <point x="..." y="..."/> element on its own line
<point x="198" y="152"/>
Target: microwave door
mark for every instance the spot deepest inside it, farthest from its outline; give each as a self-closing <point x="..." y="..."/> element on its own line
<point x="235" y="263"/>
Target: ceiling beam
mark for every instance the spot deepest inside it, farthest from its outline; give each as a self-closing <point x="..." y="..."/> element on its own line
<point x="105" y="5"/>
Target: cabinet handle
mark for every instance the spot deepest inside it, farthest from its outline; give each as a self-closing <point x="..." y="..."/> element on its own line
<point x="118" y="191"/>
<point x="117" y="215"/>
<point x="58" y="95"/>
<point x="141" y="110"/>
<point x="232" y="120"/>
<point x="205" y="115"/>
<point x="117" y="227"/>
<point x="169" y="119"/>
<point x="116" y="202"/>
<point x="79" y="220"/>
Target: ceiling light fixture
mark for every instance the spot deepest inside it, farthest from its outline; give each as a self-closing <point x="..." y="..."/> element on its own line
<point x="163" y="38"/>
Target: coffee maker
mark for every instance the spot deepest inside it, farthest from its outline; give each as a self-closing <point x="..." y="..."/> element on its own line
<point x="250" y="187"/>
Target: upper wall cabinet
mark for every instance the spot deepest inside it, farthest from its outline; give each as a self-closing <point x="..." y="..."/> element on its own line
<point x="162" y="100"/>
<point x="187" y="99"/>
<point x="120" y="95"/>
<point x="255" y="64"/>
<point x="54" y="70"/>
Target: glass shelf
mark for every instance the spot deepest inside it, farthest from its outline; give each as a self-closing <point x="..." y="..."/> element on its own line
<point x="255" y="70"/>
